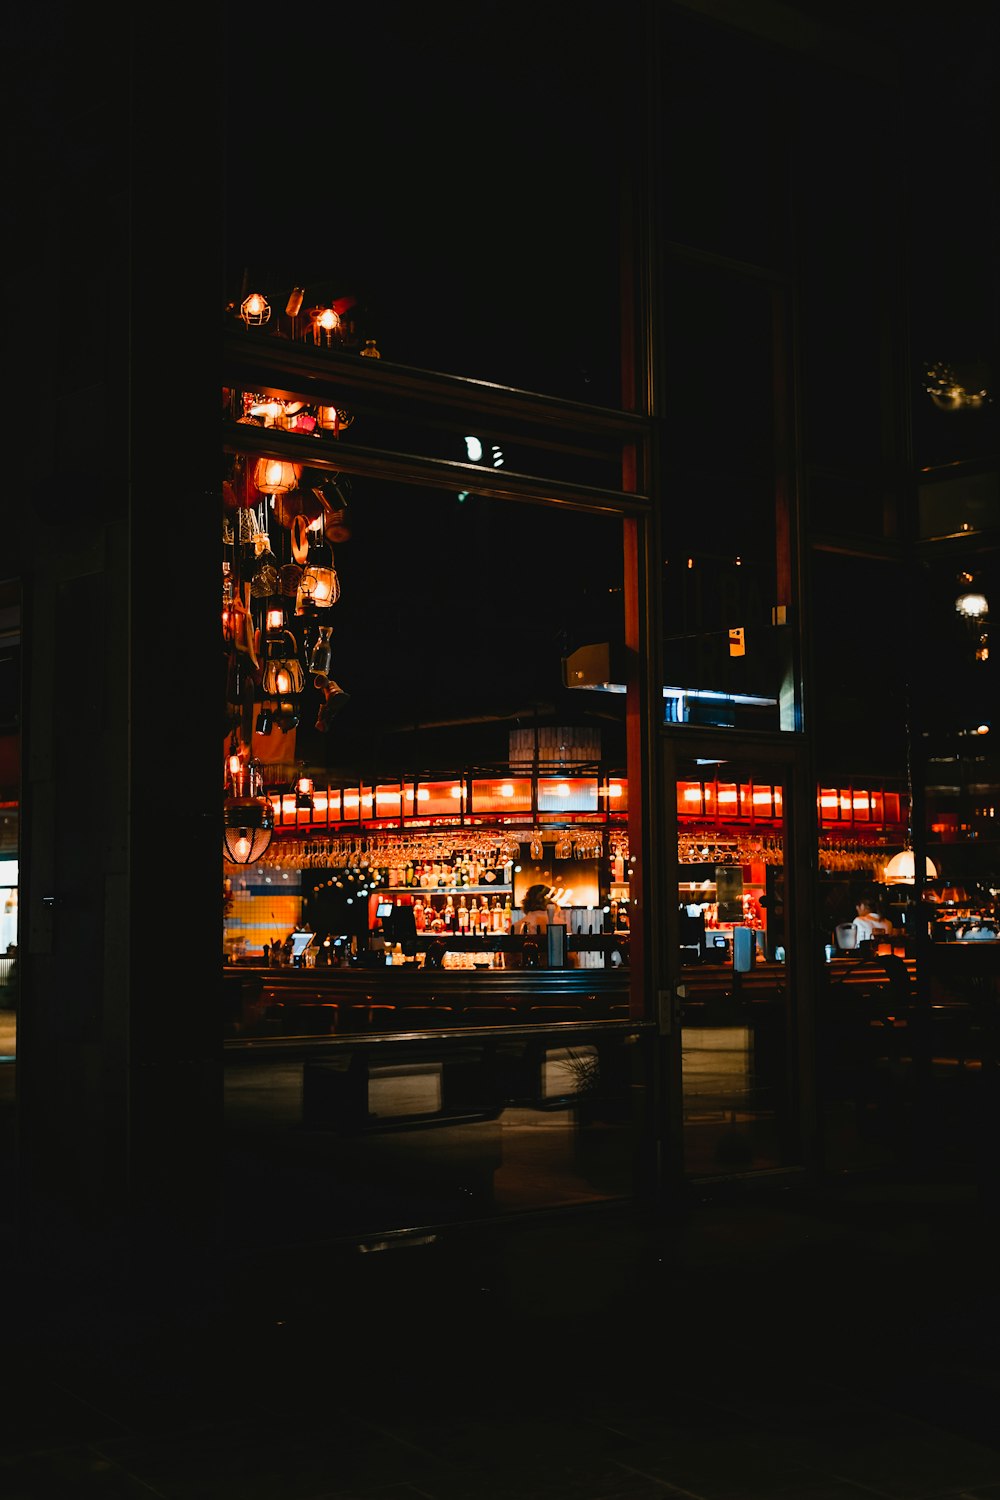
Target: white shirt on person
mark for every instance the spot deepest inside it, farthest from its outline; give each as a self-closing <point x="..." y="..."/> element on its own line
<point x="865" y="928"/>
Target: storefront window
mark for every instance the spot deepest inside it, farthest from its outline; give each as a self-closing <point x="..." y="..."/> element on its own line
<point x="445" y="765"/>
<point x="736" y="969"/>
<point x="466" y="193"/>
<point x="727" y="647"/>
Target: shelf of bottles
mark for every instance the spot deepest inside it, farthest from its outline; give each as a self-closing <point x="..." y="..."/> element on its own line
<point x="462" y="882"/>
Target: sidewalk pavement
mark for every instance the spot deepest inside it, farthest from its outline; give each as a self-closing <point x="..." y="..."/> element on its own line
<point x="771" y="1340"/>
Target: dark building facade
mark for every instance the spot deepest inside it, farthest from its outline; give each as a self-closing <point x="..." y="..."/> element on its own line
<point x="679" y="451"/>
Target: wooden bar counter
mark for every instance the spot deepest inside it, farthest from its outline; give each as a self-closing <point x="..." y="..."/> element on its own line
<point x="342" y="1000"/>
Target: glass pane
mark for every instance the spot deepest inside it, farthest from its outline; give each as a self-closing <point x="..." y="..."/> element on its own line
<point x="429" y="1133"/>
<point x="436" y="772"/>
<point x="737" y="1091"/>
<point x="727" y="653"/>
<point x="725" y="193"/>
<point x="460" y="182"/>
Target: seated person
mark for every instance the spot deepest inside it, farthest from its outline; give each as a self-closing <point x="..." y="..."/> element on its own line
<point x="868" y="923"/>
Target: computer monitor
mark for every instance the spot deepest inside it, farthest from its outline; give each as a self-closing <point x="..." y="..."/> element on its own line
<point x="300" y="942"/>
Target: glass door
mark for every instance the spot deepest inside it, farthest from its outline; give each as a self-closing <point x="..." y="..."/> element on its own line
<point x="735" y="1076"/>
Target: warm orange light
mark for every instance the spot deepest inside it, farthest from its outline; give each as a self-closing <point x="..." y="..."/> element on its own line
<point x="325" y="323"/>
<point x="320" y="586"/>
<point x="506" y="790"/>
<point x="275" y="619"/>
<point x="270" y="408"/>
<point x="274" y="476"/>
<point x="255" y="310"/>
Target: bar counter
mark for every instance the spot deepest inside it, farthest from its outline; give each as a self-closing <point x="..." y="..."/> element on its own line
<point x="340" y="1000"/>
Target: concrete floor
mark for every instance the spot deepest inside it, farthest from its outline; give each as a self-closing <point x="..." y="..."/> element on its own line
<point x="778" y="1344"/>
<point x="773" y="1340"/>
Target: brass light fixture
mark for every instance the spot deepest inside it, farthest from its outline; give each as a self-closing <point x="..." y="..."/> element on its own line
<point x="319" y="584"/>
<point x="255" y="310"/>
<point x="247" y="814"/>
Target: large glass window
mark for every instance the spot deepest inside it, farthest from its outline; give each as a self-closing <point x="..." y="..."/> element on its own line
<point x="423" y="730"/>
<point x="461" y="181"/>
<point x="727" y="646"/>
<point x="736" y="965"/>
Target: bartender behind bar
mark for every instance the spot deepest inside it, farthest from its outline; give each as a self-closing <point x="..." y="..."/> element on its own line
<point x="540" y="915"/>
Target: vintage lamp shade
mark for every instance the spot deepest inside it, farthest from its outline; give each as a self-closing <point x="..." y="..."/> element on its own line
<point x="901" y="869"/>
<point x="255" y="310"/>
<point x="282" y="675"/>
<point x="319" y="586"/>
<point x="247" y="826"/>
<point x="325" y="323"/>
<point x="247" y="815"/>
<point x="276" y="476"/>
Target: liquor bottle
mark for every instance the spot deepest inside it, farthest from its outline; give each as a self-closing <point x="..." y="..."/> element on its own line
<point x="496" y="915"/>
<point x="408" y="874"/>
<point x="449" y="914"/>
<point x="508" y="915"/>
<point x="484" y="915"/>
<point x="463" y="915"/>
<point x="418" y="914"/>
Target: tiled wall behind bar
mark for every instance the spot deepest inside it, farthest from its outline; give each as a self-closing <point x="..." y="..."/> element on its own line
<point x="265" y="904"/>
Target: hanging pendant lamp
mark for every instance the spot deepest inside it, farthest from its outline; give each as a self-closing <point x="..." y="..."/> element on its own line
<point x="901" y="869"/>
<point x="247" y="815"/>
